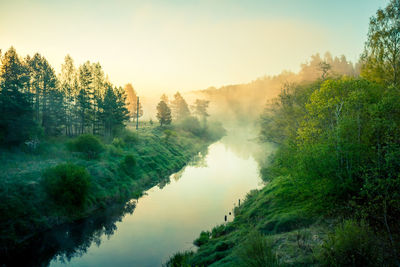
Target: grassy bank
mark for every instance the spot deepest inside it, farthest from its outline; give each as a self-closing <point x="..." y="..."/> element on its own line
<point x="124" y="167"/>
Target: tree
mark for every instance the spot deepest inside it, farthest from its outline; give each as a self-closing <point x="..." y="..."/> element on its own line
<point x="16" y="120"/>
<point x="381" y="57"/>
<point x="200" y="109"/>
<point x="164" y="98"/>
<point x="85" y="99"/>
<point x="69" y="87"/>
<point x="163" y="113"/>
<point x="131" y="101"/>
<point x="179" y="107"/>
<point x="113" y="112"/>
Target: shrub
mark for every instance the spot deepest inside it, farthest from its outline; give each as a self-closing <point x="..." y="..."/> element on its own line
<point x="129" y="137"/>
<point x="88" y="144"/>
<point x="180" y="259"/>
<point x="118" y="142"/>
<point x="192" y="125"/>
<point x="203" y="238"/>
<point x="129" y="160"/>
<point x="256" y="251"/>
<point x="351" y="244"/>
<point x="67" y="184"/>
<point x="128" y="164"/>
<point x="168" y="134"/>
<point x="114" y="151"/>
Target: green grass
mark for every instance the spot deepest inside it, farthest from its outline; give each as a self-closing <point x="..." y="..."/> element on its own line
<point x="27" y="209"/>
<point x="294" y="231"/>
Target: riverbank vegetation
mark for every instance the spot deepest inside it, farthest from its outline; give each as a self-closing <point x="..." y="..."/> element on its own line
<point x="332" y="188"/>
<point x="68" y="146"/>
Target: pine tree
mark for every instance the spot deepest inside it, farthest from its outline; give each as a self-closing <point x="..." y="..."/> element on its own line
<point x="179" y="107"/>
<point x="69" y="87"/>
<point x="16" y="120"/>
<point x="85" y="98"/>
<point x="113" y="112"/>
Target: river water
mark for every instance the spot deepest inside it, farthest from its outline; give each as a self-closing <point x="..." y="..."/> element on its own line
<point x="170" y="216"/>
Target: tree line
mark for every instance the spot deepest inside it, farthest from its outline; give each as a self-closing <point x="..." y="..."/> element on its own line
<point x="179" y="110"/>
<point x="34" y="101"/>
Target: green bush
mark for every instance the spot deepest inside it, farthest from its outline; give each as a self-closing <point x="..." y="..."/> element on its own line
<point x="129" y="137"/>
<point x="168" y="134"/>
<point x="88" y="144"/>
<point x="180" y="259"/>
<point x="114" y="151"/>
<point x="256" y="251"/>
<point x="67" y="184"/>
<point x="192" y="125"/>
<point x="130" y="160"/>
<point x="118" y="142"/>
<point x="351" y="244"/>
<point x="128" y="164"/>
<point x="203" y="238"/>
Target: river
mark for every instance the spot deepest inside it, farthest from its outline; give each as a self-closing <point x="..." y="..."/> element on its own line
<point x="169" y="216"/>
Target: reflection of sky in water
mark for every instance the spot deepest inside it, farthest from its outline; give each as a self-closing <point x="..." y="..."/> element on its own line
<point x="167" y="220"/>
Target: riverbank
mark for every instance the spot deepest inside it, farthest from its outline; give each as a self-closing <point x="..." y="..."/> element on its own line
<point x="26" y="208"/>
<point x="289" y="230"/>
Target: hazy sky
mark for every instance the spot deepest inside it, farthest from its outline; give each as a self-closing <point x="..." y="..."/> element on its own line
<point x="164" y="46"/>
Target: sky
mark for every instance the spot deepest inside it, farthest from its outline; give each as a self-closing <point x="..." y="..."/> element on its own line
<point x="166" y="46"/>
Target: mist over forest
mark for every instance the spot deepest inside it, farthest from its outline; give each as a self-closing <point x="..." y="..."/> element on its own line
<point x="299" y="168"/>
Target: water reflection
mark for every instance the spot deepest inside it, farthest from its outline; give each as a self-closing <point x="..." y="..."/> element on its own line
<point x="70" y="240"/>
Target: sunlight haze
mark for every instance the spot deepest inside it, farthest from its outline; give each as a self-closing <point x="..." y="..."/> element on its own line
<point x="165" y="46"/>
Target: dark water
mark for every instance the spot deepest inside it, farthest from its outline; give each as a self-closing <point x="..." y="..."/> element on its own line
<point x="166" y="220"/>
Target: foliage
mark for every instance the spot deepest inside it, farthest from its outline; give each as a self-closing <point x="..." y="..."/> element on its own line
<point x="255" y="251"/>
<point x="202" y="239"/>
<point x="132" y="101"/>
<point x="163" y="114"/>
<point x="192" y="124"/>
<point x="179" y="107"/>
<point x="118" y="142"/>
<point x="180" y="259"/>
<point x="381" y="61"/>
<point x="67" y="185"/>
<point x="16" y="121"/>
<point x="351" y="244"/>
<point x="88" y="144"/>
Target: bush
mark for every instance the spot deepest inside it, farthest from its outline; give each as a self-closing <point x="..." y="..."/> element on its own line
<point x="180" y="259"/>
<point x="114" y="151"/>
<point x="203" y="238"/>
<point x="351" y="244"/>
<point x="88" y="144"/>
<point x="129" y="160"/>
<point x="128" y="164"/>
<point x="67" y="184"/>
<point x="256" y="251"/>
<point x="129" y="137"/>
<point x="168" y="134"/>
<point x="118" y="142"/>
<point x="192" y="125"/>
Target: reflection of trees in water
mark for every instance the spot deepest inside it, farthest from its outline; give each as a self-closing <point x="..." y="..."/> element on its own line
<point x="68" y="241"/>
<point x="197" y="161"/>
<point x="242" y="142"/>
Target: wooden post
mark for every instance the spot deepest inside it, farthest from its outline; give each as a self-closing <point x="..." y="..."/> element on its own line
<point x="137" y="114"/>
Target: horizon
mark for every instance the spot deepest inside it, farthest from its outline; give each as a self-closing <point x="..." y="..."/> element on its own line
<point x="185" y="46"/>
